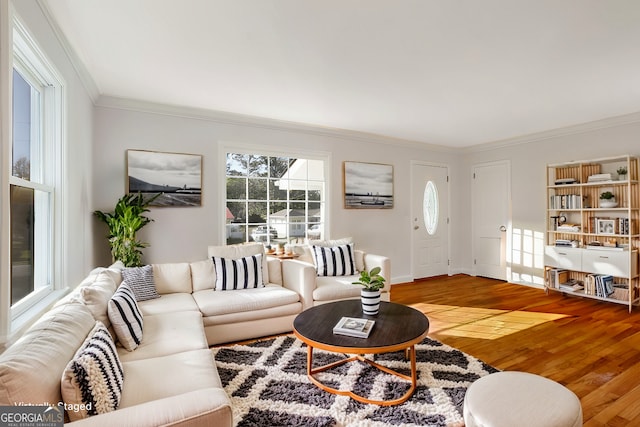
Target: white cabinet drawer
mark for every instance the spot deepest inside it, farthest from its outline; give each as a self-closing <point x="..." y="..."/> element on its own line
<point x="568" y="258"/>
<point x="608" y="262"/>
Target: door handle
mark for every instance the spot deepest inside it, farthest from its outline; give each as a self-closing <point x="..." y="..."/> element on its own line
<point x="415" y="227"/>
<point x="503" y="228"/>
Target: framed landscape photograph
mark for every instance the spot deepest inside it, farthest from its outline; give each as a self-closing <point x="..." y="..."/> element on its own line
<point x="367" y="185"/>
<point x="177" y="176"/>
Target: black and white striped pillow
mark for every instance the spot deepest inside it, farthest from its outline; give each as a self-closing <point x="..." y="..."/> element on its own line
<point x="335" y="260"/>
<point x="125" y="317"/>
<point x="141" y="281"/>
<point x="93" y="379"/>
<point x="241" y="273"/>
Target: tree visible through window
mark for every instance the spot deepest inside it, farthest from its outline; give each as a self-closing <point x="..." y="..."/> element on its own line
<point x="273" y="199"/>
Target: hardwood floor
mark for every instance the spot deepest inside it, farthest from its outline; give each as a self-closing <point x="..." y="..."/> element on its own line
<point x="591" y="347"/>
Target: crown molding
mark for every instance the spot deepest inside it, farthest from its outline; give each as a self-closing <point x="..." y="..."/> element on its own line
<point x="258" y="122"/>
<point x="558" y="132"/>
<point x="83" y="74"/>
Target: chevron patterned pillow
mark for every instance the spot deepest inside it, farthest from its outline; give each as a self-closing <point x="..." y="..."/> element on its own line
<point x="93" y="379"/>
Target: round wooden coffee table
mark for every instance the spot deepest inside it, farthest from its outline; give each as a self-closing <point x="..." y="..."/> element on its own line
<point x="398" y="327"/>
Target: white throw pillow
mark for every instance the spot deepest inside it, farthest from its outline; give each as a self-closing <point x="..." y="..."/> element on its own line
<point x="335" y="261"/>
<point x="241" y="273"/>
<point x="125" y="316"/>
<point x="93" y="379"/>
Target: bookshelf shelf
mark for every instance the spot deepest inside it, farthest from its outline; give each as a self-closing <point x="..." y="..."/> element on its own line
<point x="576" y="222"/>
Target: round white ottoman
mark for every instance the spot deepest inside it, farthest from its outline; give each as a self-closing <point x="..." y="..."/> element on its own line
<point x="509" y="399"/>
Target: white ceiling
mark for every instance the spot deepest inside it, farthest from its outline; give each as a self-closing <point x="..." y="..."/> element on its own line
<point x="446" y="72"/>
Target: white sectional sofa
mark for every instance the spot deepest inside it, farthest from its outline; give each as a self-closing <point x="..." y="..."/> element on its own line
<point x="171" y="377"/>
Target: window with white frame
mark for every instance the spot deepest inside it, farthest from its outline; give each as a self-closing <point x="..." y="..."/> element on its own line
<point x="36" y="172"/>
<point x="274" y="199"/>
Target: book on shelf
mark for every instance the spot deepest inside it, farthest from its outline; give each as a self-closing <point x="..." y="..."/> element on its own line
<point x="606" y="248"/>
<point x="600" y="285"/>
<point x="556" y="277"/>
<point x="354" y="327"/>
<point x="599" y="177"/>
<point x="572" y="286"/>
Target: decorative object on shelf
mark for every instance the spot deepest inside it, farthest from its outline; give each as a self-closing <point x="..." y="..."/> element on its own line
<point x="608" y="200"/>
<point x="606" y="226"/>
<point x="123" y="224"/>
<point x="367" y="185"/>
<point x="372" y="283"/>
<point x="622" y="173"/>
<point x="177" y="177"/>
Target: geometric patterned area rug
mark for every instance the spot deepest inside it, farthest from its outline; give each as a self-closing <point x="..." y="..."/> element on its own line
<point x="268" y="386"/>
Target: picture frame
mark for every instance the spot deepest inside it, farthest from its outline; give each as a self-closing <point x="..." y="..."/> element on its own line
<point x="606" y="226"/>
<point x="367" y="185"/>
<point x="176" y="176"/>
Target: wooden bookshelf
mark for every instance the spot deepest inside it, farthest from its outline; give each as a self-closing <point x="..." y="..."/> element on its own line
<point x="578" y="220"/>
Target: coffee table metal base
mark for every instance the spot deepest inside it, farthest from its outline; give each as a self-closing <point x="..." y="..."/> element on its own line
<point x="410" y="351"/>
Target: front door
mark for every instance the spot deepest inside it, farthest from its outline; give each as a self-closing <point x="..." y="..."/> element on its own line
<point x="429" y="220"/>
<point x="490" y="191"/>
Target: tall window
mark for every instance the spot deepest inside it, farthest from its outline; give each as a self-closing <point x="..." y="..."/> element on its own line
<point x="35" y="171"/>
<point x="274" y="199"/>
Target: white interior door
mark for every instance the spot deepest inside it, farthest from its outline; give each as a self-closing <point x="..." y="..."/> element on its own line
<point x="491" y="218"/>
<point x="429" y="220"/>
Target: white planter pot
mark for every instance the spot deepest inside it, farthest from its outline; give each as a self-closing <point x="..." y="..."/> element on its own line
<point x="370" y="302"/>
<point x="608" y="203"/>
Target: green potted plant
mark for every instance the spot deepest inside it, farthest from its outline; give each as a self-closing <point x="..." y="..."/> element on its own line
<point x="123" y="224"/>
<point x="608" y="200"/>
<point x="622" y="173"/>
<point x="372" y="282"/>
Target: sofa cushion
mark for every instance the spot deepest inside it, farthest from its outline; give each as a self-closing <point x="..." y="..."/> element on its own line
<point x="172" y="278"/>
<point x="93" y="379"/>
<point x="141" y="281"/>
<point x="168" y="333"/>
<point x="203" y="275"/>
<point x="335" y="288"/>
<point x="240" y="251"/>
<point x="241" y="273"/>
<point x="335" y="260"/>
<point x="171" y="375"/>
<point x="31" y="369"/>
<point x="265" y="316"/>
<point x="217" y="303"/>
<point x="125" y="317"/>
<point x="96" y="295"/>
<point x="169" y="303"/>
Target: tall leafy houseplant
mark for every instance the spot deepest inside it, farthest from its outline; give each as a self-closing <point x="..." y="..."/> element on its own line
<point x="123" y="224"/>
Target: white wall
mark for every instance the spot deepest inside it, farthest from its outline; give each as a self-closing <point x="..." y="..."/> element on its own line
<point x="528" y="168"/>
<point x="183" y="234"/>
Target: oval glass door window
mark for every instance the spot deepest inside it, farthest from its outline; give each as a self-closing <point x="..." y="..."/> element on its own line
<point x="430" y="208"/>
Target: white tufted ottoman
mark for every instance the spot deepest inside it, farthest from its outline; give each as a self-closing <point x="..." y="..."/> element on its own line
<point x="509" y="399"/>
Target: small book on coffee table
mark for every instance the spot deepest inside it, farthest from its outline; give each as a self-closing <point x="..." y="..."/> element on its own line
<point x="354" y="327"/>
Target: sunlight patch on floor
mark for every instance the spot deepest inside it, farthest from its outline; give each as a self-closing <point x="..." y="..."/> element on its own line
<point x="481" y="323"/>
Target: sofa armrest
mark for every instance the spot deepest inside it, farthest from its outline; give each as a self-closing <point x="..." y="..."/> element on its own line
<point x="371" y="261"/>
<point x="300" y="276"/>
<point x="205" y="407"/>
